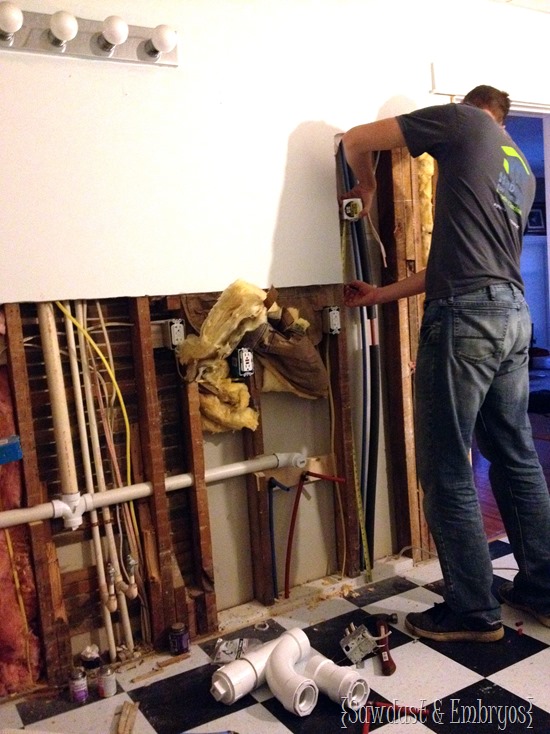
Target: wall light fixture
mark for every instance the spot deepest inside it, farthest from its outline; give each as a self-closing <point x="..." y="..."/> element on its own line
<point x="115" y="31"/>
<point x="11" y="20"/>
<point x="63" y="28"/>
<point x="163" y="40"/>
<point x="110" y="40"/>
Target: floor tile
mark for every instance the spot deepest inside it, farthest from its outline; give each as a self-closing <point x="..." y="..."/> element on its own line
<point x="417" y="599"/>
<point x="505" y="567"/>
<point x="183" y="701"/>
<point x="422" y="675"/>
<point x="252" y="720"/>
<point x="424" y="572"/>
<point x="380" y="590"/>
<point x="486" y="658"/>
<point x="95" y="718"/>
<point x="450" y="679"/>
<point x="147" y="671"/>
<point x="9" y="716"/>
<point x="314" y="613"/>
<point x="524" y="679"/>
<point x="485" y="708"/>
<point x="499" y="548"/>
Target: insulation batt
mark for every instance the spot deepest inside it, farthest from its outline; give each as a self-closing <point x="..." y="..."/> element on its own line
<point x="288" y="358"/>
<point x="239" y="309"/>
<point x="224" y="404"/>
<point x="19" y="665"/>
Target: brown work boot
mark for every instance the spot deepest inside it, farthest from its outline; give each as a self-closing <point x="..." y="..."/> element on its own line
<point x="441" y="624"/>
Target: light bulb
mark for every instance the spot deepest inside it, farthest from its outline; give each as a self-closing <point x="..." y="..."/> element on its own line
<point x="11" y="20"/>
<point x="115" y="31"/>
<point x="63" y="27"/>
<point x="163" y="40"/>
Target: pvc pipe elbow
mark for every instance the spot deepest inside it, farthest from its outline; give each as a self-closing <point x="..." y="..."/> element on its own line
<point x="239" y="677"/>
<point x="297" y="460"/>
<point x="297" y="693"/>
<point x="342" y="685"/>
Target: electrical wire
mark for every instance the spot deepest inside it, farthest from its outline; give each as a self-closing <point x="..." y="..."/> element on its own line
<point x="127" y="510"/>
<point x="358" y="497"/>
<point x="333" y="451"/>
<point x="100" y="354"/>
<point x="299" y="489"/>
<point x="18" y="594"/>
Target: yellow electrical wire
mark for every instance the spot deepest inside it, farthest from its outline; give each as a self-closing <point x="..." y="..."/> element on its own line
<point x="19" y="595"/>
<point x="108" y="426"/>
<point x="92" y="343"/>
<point x="100" y="354"/>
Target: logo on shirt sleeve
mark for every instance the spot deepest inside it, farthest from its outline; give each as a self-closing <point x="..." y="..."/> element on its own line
<point x="510" y="180"/>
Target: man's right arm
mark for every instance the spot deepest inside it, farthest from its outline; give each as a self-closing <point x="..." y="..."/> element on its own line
<point x="358" y="293"/>
<point x="359" y="143"/>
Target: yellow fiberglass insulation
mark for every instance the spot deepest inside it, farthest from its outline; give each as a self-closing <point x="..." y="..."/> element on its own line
<point x="426" y="171"/>
<point x="239" y="309"/>
<point x="224" y="404"/>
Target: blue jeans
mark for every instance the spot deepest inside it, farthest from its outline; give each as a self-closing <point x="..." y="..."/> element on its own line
<point x="472" y="376"/>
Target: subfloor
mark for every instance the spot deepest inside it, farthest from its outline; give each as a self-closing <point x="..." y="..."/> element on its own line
<point x="485" y="687"/>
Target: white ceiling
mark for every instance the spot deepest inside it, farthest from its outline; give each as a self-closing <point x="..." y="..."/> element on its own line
<point x="541" y="6"/>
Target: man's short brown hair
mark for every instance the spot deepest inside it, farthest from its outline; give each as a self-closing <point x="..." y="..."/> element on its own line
<point x="489" y="98"/>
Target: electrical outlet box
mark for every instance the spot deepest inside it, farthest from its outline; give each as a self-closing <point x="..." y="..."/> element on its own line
<point x="168" y="333"/>
<point x="358" y="643"/>
<point x="331" y="320"/>
<point x="351" y="209"/>
<point x="241" y="363"/>
<point x="176" y="333"/>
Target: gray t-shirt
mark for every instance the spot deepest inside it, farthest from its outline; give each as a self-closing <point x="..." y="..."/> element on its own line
<point x="485" y="190"/>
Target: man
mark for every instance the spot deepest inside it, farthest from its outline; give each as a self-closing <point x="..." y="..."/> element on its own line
<point x="472" y="363"/>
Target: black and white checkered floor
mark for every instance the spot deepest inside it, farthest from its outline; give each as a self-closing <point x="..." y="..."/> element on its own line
<point x="489" y="687"/>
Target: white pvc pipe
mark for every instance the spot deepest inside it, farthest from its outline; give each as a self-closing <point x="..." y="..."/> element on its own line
<point x="102" y="487"/>
<point x="275" y="662"/>
<point x="88" y="476"/>
<point x="296" y="692"/>
<point x="58" y="398"/>
<point x="56" y="508"/>
<point x="343" y="685"/>
<point x="239" y="677"/>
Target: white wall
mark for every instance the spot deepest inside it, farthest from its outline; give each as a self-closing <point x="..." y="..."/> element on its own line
<point x="121" y="180"/>
<point x="129" y="180"/>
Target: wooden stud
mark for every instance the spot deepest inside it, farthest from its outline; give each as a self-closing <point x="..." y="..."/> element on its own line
<point x="344" y="447"/>
<point x="400" y="229"/>
<point x="258" y="508"/>
<point x="153" y="463"/>
<point x="54" y="628"/>
<point x="207" y="615"/>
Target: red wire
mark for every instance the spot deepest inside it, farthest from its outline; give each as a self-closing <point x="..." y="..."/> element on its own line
<point x="325" y="476"/>
<point x="291" y="533"/>
<point x="366" y="725"/>
<point x="303" y="478"/>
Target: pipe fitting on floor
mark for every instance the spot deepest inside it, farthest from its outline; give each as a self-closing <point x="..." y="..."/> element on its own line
<point x="342" y="685"/>
<point x="296" y="692"/>
<point x="239" y="677"/>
